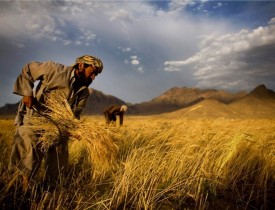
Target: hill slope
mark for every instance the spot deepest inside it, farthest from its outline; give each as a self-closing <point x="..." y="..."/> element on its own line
<point x="187" y="102"/>
<point x="259" y="103"/>
<point x="9" y="109"/>
<point x="178" y="98"/>
<point x="97" y="102"/>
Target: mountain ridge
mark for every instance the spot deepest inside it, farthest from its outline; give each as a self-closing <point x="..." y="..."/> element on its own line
<point x="203" y="102"/>
<point x="259" y="103"/>
<point x="177" y="98"/>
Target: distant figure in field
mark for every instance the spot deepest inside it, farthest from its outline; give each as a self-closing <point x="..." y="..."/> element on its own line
<point x="111" y="112"/>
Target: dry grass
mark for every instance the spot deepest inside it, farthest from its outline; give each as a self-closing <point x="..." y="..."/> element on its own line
<point x="58" y="124"/>
<point x="168" y="164"/>
<point x="187" y="159"/>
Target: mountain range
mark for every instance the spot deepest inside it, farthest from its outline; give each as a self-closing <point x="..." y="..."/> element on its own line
<point x="259" y="103"/>
<point x="187" y="102"/>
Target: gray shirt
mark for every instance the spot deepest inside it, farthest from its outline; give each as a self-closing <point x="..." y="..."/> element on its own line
<point x="51" y="76"/>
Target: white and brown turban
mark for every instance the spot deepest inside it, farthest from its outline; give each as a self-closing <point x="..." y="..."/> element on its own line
<point x="91" y="60"/>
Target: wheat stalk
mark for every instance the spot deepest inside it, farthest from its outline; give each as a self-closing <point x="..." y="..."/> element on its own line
<point x="58" y="123"/>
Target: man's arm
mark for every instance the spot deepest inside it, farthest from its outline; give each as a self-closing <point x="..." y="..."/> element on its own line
<point x="25" y="81"/>
<point x="30" y="73"/>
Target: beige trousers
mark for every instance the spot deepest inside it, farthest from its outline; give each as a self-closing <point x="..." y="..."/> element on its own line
<point x="27" y="157"/>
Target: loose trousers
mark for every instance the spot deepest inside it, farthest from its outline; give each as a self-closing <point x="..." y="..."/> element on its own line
<point x="26" y="155"/>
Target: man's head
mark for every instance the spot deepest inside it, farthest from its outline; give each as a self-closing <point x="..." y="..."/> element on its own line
<point x="87" y="68"/>
<point x="123" y="108"/>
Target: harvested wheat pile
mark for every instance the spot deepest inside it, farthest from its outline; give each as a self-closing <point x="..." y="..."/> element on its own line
<point x="58" y="123"/>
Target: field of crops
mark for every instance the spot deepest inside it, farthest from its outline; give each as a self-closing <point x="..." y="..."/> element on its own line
<point x="159" y="164"/>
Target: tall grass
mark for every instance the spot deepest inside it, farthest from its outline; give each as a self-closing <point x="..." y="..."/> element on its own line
<point x="58" y="123"/>
<point x="169" y="164"/>
<point x="197" y="161"/>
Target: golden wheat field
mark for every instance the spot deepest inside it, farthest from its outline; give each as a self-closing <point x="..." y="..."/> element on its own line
<point x="158" y="163"/>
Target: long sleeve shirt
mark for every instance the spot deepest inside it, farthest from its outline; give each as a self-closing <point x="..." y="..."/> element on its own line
<point x="51" y="76"/>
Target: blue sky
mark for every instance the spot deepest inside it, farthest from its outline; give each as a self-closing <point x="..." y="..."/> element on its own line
<point x="147" y="47"/>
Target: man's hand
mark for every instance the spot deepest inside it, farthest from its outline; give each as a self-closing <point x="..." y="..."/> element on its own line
<point x="28" y="101"/>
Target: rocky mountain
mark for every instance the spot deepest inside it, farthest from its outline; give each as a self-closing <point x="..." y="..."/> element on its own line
<point x="98" y="101"/>
<point x="178" y="98"/>
<point x="187" y="102"/>
<point x="8" y="109"/>
<point x="96" y="104"/>
<point x="262" y="92"/>
<point x="259" y="103"/>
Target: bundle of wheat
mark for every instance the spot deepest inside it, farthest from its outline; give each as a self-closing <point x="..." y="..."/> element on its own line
<point x="58" y="123"/>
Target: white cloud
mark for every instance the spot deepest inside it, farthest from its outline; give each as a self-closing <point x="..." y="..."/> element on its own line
<point x="140" y="69"/>
<point x="78" y="42"/>
<point x="127" y="49"/>
<point x="134" y="57"/>
<point x="272" y="21"/>
<point x="121" y="14"/>
<point x="65" y="22"/>
<point x="67" y="42"/>
<point x="225" y="59"/>
<point x="134" y="60"/>
<point x="219" y="4"/>
<point x="180" y="4"/>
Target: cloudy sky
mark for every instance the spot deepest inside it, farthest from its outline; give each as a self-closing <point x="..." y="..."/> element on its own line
<point x="147" y="46"/>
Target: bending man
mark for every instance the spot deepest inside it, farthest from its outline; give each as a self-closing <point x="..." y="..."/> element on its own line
<point x="73" y="81"/>
<point x="111" y="112"/>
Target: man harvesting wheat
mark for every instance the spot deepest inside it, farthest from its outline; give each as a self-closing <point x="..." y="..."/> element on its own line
<point x="111" y="112"/>
<point x="73" y="81"/>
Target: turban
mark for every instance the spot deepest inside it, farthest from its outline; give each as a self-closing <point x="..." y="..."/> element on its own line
<point x="123" y="108"/>
<point x="91" y="60"/>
